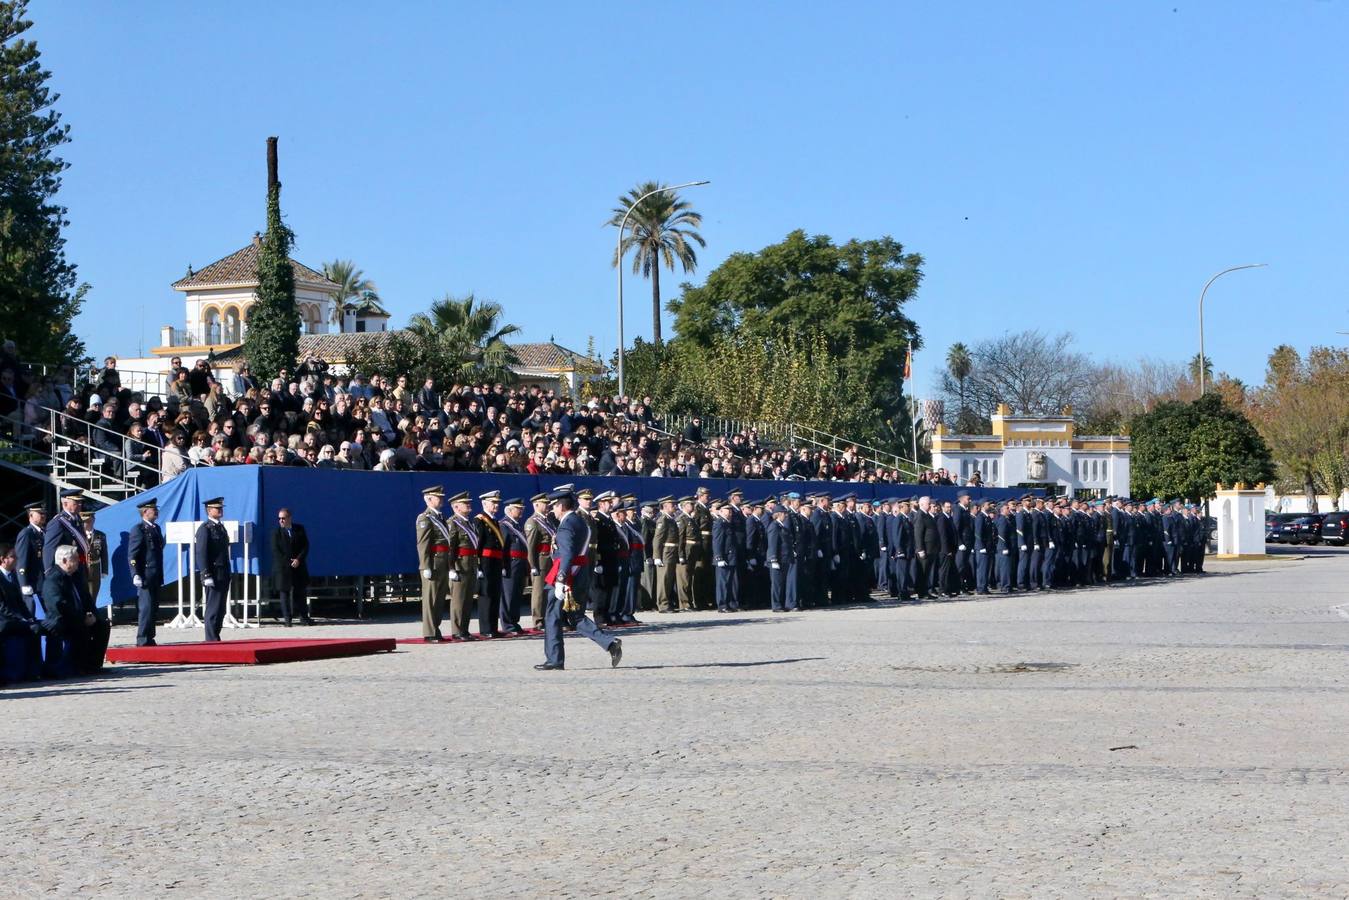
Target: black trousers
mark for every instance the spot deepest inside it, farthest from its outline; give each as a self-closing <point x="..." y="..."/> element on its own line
<point x="213" y="612"/>
<point x="489" y="598"/>
<point x="145" y="614"/>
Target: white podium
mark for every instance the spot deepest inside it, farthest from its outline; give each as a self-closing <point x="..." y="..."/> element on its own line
<point x="184" y="535"/>
<point x="1240" y="512"/>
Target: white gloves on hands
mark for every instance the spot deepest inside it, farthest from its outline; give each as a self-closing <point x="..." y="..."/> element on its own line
<point x="137" y="581"/>
<point x="208" y="581"/>
<point x="776" y="565"/>
<point x="454" y="575"/>
<point x="426" y="573"/>
<point x="721" y="564"/>
<point x="26" y="590"/>
<point x="961" y="547"/>
<point x="599" y="570"/>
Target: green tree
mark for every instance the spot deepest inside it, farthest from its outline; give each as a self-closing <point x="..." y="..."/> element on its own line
<point x="959" y="365"/>
<point x="661" y="230"/>
<point x="846" y="301"/>
<point x="39" y="294"/>
<point x="1303" y="412"/>
<point x="1187" y="449"/>
<point x="458" y="339"/>
<point x="1194" y="369"/>
<point x="273" y="340"/>
<point x="351" y="283"/>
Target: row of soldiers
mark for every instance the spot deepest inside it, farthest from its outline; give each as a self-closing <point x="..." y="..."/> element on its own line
<point x="784" y="552"/>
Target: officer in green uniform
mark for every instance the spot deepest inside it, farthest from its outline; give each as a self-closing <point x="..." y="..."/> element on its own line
<point x="433" y="558"/>
<point x="463" y="574"/>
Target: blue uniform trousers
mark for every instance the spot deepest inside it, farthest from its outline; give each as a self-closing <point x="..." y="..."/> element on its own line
<point x="779" y="597"/>
<point x="553" y="620"/>
<point x="145" y="616"/>
<point x="1047" y="563"/>
<point x="728" y="588"/>
<point x="1006" y="564"/>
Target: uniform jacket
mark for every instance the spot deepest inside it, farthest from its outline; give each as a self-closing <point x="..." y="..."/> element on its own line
<point x="15" y="616"/>
<point x="432" y="532"/>
<point x="463" y="546"/>
<point x="65" y="602"/>
<point x="725" y="547"/>
<point x="778" y="546"/>
<point x="690" y="543"/>
<point x="145" y="553"/>
<point x="64" y="529"/>
<point x="569" y="551"/>
<point x="540" y="531"/>
<point x="665" y="540"/>
<point x="962" y="520"/>
<point x="30" y="568"/>
<point x="213" y="550"/>
<point x="491" y="543"/>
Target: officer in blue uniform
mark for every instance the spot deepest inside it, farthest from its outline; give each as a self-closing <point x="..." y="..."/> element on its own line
<point x="29" y="567"/>
<point x="145" y="553"/>
<point x="20" y="647"/>
<point x="568" y="586"/>
<point x="1024" y="526"/>
<point x="779" y="561"/>
<point x="66" y="528"/>
<point x="725" y="557"/>
<point x="985" y="547"/>
<point x="1005" y="528"/>
<point x="515" y="573"/>
<point x="213" y="563"/>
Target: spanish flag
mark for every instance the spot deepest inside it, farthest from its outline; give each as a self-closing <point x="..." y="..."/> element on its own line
<point x="908" y="363"/>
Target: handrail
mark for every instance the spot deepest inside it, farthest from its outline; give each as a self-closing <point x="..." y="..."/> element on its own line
<point x="128" y="463"/>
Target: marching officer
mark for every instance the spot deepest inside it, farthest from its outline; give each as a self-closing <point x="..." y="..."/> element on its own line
<point x="463" y="568"/>
<point x="433" y="549"/>
<point x="213" y="562"/>
<point x="515" y="575"/>
<point x="145" y="553"/>
<point x="568" y="577"/>
<point x="491" y="560"/>
<point x="540" y="531"/>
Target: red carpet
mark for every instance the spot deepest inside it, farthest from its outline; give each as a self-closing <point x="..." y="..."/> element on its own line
<point x="252" y="652"/>
<point x="505" y="637"/>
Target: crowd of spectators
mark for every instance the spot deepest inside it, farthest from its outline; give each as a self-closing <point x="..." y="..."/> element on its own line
<point x="315" y="417"/>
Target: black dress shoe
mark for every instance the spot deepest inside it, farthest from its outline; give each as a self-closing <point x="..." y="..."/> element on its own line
<point x="306" y="622"/>
<point x="548" y="667"/>
<point x="288" y="624"/>
<point x="615" y="654"/>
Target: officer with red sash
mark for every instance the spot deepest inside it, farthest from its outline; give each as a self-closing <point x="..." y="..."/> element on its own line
<point x="569" y="576"/>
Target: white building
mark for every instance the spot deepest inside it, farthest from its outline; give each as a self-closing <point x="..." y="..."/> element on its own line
<point x="1036" y="451"/>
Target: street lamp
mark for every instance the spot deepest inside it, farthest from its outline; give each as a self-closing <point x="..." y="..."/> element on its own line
<point x="621" y="226"/>
<point x="1201" y="314"/>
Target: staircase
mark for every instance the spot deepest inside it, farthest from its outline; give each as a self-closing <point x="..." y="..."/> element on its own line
<point x="67" y="452"/>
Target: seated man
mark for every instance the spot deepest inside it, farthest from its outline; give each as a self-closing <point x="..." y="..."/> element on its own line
<point x="82" y="635"/>
<point x="20" y="654"/>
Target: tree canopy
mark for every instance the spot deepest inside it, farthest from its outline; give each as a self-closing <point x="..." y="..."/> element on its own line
<point x="1187" y="449"/>
<point x="459" y="339"/>
<point x="39" y="294"/>
<point x="661" y="232"/>
<point x="840" y="308"/>
<point x="273" y="339"/>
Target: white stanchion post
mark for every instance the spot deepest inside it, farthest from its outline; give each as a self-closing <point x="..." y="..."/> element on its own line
<point x="242" y="533"/>
<point x="181" y="534"/>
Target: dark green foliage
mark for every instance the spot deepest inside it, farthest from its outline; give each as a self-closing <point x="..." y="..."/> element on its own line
<point x="459" y="340"/>
<point x="848" y="297"/>
<point x="39" y="294"/>
<point x="273" y="340"/>
<point x="1187" y="449"/>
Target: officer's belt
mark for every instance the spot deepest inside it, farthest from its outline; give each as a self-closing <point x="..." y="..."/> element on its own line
<point x="467" y="551"/>
<point x="488" y="553"/>
<point x="543" y="548"/>
<point x="440" y="548"/>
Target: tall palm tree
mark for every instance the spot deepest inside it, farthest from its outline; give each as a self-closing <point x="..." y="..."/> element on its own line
<point x="661" y="230"/>
<point x="351" y="283"/>
<point x="467" y="337"/>
<point x="959" y="364"/>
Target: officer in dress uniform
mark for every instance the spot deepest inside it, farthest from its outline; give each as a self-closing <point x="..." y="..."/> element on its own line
<point x="799" y="581"/>
<point x="725" y="550"/>
<point x="145" y="554"/>
<point x="868" y="551"/>
<point x="213" y="563"/>
<point x="962" y="520"/>
<point x="515" y="576"/>
<point x="646" y="589"/>
<point x="900" y="540"/>
<point x="1005" y="528"/>
<point x="985" y="546"/>
<point x="491" y="562"/>
<point x="464" y="560"/>
<point x="618" y="595"/>
<point x="703" y="586"/>
<point x="98" y="554"/>
<point x="604" y="541"/>
<point x="664" y="548"/>
<point x="637" y="562"/>
<point x="67" y="529"/>
<point x="29" y="568"/>
<point x="433" y="558"/>
<point x="881" y="566"/>
<point x="690" y="550"/>
<point x="540" y="531"/>
<point x="778" y="556"/>
<point x="567" y="577"/>
<point x="1025" y="533"/>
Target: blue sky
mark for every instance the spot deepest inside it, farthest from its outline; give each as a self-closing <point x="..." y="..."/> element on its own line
<point x="1077" y="166"/>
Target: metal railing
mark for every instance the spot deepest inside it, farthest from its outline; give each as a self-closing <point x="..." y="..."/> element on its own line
<point x="147" y="384"/>
<point x="71" y="452"/>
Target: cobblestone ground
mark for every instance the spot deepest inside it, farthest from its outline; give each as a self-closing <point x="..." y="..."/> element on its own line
<point x="1184" y="738"/>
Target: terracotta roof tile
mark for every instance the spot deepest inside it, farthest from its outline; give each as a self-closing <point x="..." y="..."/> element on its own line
<point x="534" y="358"/>
<point x="241" y="267"/>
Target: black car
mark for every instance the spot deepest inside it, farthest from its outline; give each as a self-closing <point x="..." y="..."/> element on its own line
<point x="1304" y="530"/>
<point x="1275" y="527"/>
<point x="1335" y="528"/>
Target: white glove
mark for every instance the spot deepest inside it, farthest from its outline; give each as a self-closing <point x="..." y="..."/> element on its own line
<point x="454" y="575"/>
<point x="983" y="551"/>
<point x="658" y="561"/>
<point x="922" y="554"/>
<point x="560" y="590"/>
<point x="961" y="547"/>
<point x="835" y="559"/>
<point x="599" y="570"/>
<point x="1051" y="545"/>
<point x="861" y="556"/>
<point x="480" y="573"/>
<point x="776" y="565"/>
<point x="534" y="573"/>
<point x="721" y="564"/>
<point x="26" y="590"/>
<point x="136" y="580"/>
<point x="752" y="563"/>
<point x="1004" y="553"/>
<point x="819" y="554"/>
<point x="883" y="549"/>
<point x="1023" y="548"/>
<point x="426" y="573"/>
<point x="209" y="582"/>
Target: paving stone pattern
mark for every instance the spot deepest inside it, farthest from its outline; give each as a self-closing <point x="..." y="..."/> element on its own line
<point x="949" y="749"/>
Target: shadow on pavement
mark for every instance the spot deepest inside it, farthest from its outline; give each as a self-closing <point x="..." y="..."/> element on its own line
<point x="734" y="665"/>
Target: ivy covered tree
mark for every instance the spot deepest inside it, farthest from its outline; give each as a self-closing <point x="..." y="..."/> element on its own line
<point x="39" y="293"/>
<point x="273" y="340"/>
<point x="1187" y="449"/>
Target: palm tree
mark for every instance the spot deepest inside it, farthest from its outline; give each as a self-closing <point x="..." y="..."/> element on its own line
<point x="661" y="229"/>
<point x="351" y="283"/>
<point x="1194" y="369"/>
<point x="466" y="337"/>
<point x="959" y="364"/>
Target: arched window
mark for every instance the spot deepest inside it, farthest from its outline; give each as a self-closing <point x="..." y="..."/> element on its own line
<point x="232" y="327"/>
<point x="210" y="321"/>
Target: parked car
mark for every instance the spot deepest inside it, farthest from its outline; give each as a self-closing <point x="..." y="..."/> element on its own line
<point x="1275" y="525"/>
<point x="1335" y="528"/>
<point x="1304" y="530"/>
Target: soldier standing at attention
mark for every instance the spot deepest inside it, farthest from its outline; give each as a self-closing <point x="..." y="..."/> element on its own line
<point x="703" y="588"/>
<point x="646" y="591"/>
<point x="690" y="548"/>
<point x="568" y="576"/>
<point x="779" y="556"/>
<point x="145" y="553"/>
<point x="213" y="562"/>
<point x="98" y="555"/>
<point x="28" y="548"/>
<point x="491" y="558"/>
<point x="540" y="531"/>
<point x="665" y="554"/>
<point x="1005" y="526"/>
<point x="433" y="549"/>
<point x="515" y="576"/>
<point x="725" y="548"/>
<point x="463" y="568"/>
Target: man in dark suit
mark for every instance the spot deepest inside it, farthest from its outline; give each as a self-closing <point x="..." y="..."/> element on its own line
<point x="290" y="567"/>
<point x="145" y="552"/>
<point x="962" y="519"/>
<point x="82" y="635"/>
<point x="567" y="578"/>
<point x="927" y="547"/>
<point x="946" y="532"/>
<point x="213" y="563"/>
<point x="20" y="651"/>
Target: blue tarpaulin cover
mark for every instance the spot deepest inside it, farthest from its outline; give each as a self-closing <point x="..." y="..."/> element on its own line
<point x="360" y="523"/>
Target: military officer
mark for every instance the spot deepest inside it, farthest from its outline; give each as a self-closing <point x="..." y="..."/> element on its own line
<point x="515" y="575"/>
<point x="145" y="553"/>
<point x="540" y="531"/>
<point x="604" y="540"/>
<point x="646" y="591"/>
<point x="703" y="587"/>
<point x="1025" y="537"/>
<point x="778" y="553"/>
<point x="29" y="568"/>
<point x="637" y="561"/>
<point x="213" y="563"/>
<point x="463" y="569"/>
<point x="67" y="529"/>
<point x="1005" y="528"/>
<point x="984" y="547"/>
<point x="491" y="561"/>
<point x="962" y="520"/>
<point x="433" y="549"/>
<point x="803" y="554"/>
<point x="568" y="583"/>
<point x="690" y="550"/>
<point x="725" y="557"/>
<point x="664" y="550"/>
<point x="98" y="554"/>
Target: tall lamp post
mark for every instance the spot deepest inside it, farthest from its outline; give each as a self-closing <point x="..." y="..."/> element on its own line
<point x="621" y="227"/>
<point x="1201" y="314"/>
